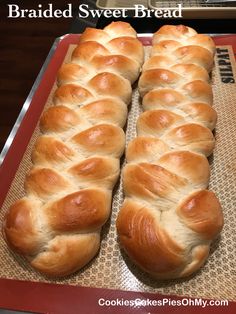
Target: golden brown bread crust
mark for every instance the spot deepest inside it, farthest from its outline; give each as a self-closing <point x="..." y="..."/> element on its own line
<point x="118" y="64"/>
<point x="152" y="183"/>
<point x="201" y="213"/>
<point x="109" y="110"/>
<point x="115" y="30"/>
<point x="100" y="171"/>
<point x="71" y="94"/>
<point x="141" y="233"/>
<point x="72" y="251"/>
<point x="199" y="110"/>
<point x="58" y="119"/>
<point x="168" y="219"/>
<point x="145" y="149"/>
<point x="48" y="151"/>
<point x="71" y="72"/>
<point x="57" y="225"/>
<point x="101" y="139"/>
<point x="162" y="256"/>
<point x="84" y="211"/>
<point x="191" y="166"/>
<point x="109" y="84"/>
<point x="20" y="229"/>
<point x="85" y="51"/>
<point x="44" y="182"/>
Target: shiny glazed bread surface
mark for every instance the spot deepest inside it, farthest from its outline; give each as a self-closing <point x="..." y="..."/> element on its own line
<point x="57" y="225"/>
<point x="169" y="219"/>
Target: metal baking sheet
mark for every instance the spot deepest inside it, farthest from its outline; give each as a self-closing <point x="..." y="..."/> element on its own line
<point x="27" y="102"/>
<point x="222" y="2"/>
<point x="189" y="3"/>
<point x="17" y="149"/>
<point x="120" y="4"/>
<point x="198" y="8"/>
<point x="191" y="8"/>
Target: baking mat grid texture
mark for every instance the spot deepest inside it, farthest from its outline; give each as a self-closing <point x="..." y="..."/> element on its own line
<point x="110" y="268"/>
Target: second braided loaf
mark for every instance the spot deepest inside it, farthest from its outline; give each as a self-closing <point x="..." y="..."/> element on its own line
<point x="169" y="219"/>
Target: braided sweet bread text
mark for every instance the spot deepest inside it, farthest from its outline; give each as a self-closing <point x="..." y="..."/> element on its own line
<point x="57" y="225"/>
<point x="169" y="219"/>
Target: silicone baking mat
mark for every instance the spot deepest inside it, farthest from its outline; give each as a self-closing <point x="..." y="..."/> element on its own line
<point x="111" y="269"/>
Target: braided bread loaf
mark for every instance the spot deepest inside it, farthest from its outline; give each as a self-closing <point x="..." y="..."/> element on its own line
<point x="57" y="225"/>
<point x="169" y="219"/>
